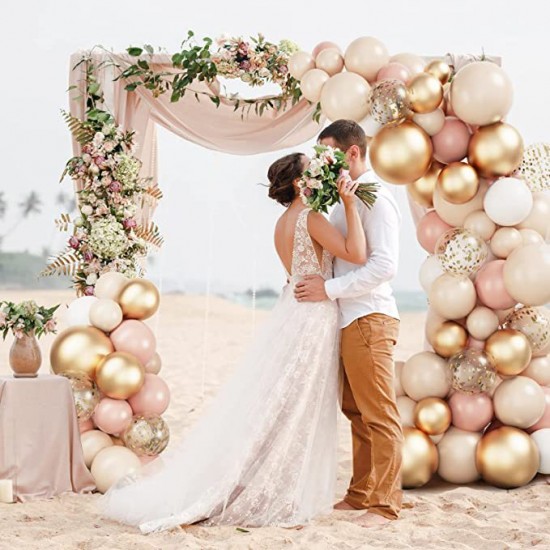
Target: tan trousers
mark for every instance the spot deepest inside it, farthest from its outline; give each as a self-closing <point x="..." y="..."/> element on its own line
<point x="369" y="403"/>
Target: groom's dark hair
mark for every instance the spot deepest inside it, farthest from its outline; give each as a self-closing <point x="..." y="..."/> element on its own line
<point x="346" y="133"/>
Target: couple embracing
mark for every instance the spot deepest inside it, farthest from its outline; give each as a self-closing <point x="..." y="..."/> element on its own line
<point x="264" y="453"/>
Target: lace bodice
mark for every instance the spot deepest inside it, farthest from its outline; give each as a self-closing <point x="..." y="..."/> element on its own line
<point x="304" y="257"/>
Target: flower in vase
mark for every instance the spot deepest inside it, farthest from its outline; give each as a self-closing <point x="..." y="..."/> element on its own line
<point x="3" y="318"/>
<point x="50" y="325"/>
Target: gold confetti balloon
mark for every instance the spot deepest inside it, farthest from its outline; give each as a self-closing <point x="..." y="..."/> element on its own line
<point x="139" y="299"/>
<point x="432" y="415"/>
<point x="80" y="349"/>
<point x="472" y="371"/>
<point x="534" y="323"/>
<point x="420" y="458"/>
<point x="389" y="102"/>
<point x="510" y="351"/>
<point x="147" y="435"/>
<point x="85" y="393"/>
<point x="461" y="251"/>
<point x="535" y="167"/>
<point x="507" y="458"/>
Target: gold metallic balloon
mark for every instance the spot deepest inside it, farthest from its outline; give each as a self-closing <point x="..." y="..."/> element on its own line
<point x="425" y="93"/>
<point x="449" y="338"/>
<point x="80" y="349"/>
<point x="422" y="189"/>
<point x="420" y="458"/>
<point x="139" y="299"/>
<point x="401" y="154"/>
<point x="507" y="458"/>
<point x="458" y="182"/>
<point x="440" y="70"/>
<point x="85" y="394"/>
<point x="147" y="435"/>
<point x="510" y="350"/>
<point x="495" y="150"/>
<point x="120" y="375"/>
<point x="432" y="415"/>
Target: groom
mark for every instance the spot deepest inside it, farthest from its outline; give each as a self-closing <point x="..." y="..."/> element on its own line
<point x="370" y="325"/>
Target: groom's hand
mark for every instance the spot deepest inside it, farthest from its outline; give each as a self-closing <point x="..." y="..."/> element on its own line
<point x="311" y="289"/>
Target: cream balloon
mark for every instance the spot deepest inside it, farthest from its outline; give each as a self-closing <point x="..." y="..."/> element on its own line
<point x="345" y="96"/>
<point x="481" y="93"/>
<point x="406" y="406"/>
<point x="430" y="270"/>
<point x="105" y="314"/>
<point x="479" y="223"/>
<point x="370" y="126"/>
<point x="398" y="369"/>
<point x="539" y="217"/>
<point x="457" y="456"/>
<point x="539" y="370"/>
<point x="110" y="284"/>
<point x="93" y="442"/>
<point x="330" y="60"/>
<point x="519" y="402"/>
<point x="505" y="241"/>
<point x="456" y="214"/>
<point x="453" y="297"/>
<point x="530" y="236"/>
<point x="481" y="323"/>
<point x="112" y="464"/>
<point x="433" y="323"/>
<point x="312" y="84"/>
<point x="299" y="63"/>
<point x="527" y="274"/>
<point x="366" y="56"/>
<point x="542" y="441"/>
<point x="508" y="201"/>
<point x="426" y="375"/>
<point x="154" y="365"/>
<point x="431" y="122"/>
<point x="78" y="312"/>
<point x="414" y="63"/>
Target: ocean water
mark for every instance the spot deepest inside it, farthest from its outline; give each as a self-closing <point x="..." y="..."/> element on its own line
<point x="265" y="300"/>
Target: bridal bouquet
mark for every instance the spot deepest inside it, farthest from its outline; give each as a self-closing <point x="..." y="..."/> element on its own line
<point x="318" y="186"/>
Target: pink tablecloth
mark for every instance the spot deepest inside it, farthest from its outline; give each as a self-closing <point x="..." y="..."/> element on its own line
<point x="40" y="449"/>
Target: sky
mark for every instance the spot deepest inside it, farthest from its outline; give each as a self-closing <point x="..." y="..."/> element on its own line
<point x="216" y="219"/>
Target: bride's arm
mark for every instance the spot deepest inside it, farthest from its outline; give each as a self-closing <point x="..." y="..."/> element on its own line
<point x="352" y="248"/>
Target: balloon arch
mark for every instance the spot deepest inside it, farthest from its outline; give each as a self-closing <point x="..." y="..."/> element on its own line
<point x="476" y="403"/>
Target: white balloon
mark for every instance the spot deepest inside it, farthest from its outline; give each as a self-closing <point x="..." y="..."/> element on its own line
<point x="370" y="126"/>
<point x="78" y="312"/>
<point x="542" y="440"/>
<point x="430" y="270"/>
<point x="432" y="122"/>
<point x="508" y="201"/>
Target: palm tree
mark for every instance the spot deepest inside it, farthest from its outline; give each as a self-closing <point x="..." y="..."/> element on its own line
<point x="3" y="205"/>
<point x="67" y="201"/>
<point x="28" y="206"/>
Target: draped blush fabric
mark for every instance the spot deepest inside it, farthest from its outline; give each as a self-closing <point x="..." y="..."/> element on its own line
<point x="41" y="451"/>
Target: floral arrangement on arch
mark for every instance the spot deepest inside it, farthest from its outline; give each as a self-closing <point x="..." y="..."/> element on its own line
<point x="106" y="234"/>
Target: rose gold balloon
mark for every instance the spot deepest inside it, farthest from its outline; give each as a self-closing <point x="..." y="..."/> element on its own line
<point x="152" y="398"/>
<point x="510" y="351"/>
<point x="136" y="338"/>
<point x="505" y="241"/>
<point x="458" y="183"/>
<point x="312" y="84"/>
<point x="481" y="93"/>
<point x="449" y="338"/>
<point x="330" y="60"/>
<point x="495" y="150"/>
<point x="323" y="46"/>
<point x="120" y="375"/>
<point x="482" y="322"/>
<point x="401" y="154"/>
<point x="471" y="412"/>
<point x="451" y="142"/>
<point x="422" y="189"/>
<point x="432" y="415"/>
<point x="429" y="230"/>
<point x="139" y="299"/>
<point x="519" y="401"/>
<point x="299" y="63"/>
<point x="112" y="416"/>
<point x="345" y="95"/>
<point x="393" y="71"/>
<point x="490" y="286"/>
<point x="154" y="365"/>
<point x="453" y="297"/>
<point x="479" y="223"/>
<point x="425" y="93"/>
<point x="365" y="56"/>
<point x="420" y="459"/>
<point x="440" y="70"/>
<point x="457" y="456"/>
<point x="413" y="62"/>
<point x="455" y="214"/>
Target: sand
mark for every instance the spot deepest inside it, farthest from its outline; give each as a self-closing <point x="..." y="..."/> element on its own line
<point x="438" y="516"/>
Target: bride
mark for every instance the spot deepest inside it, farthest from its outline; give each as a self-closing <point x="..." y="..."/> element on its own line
<point x="265" y="451"/>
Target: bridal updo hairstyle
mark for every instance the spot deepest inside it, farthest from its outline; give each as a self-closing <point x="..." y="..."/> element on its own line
<point x="281" y="175"/>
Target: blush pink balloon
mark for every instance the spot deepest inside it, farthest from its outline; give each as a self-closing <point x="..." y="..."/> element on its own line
<point x="86" y="426"/>
<point x="112" y="416"/>
<point x="429" y="229"/>
<point x="451" y="142"/>
<point x="544" y="422"/>
<point x="135" y="337"/>
<point x="471" y="412"/>
<point x="146" y="459"/>
<point x="325" y="45"/>
<point x="152" y="398"/>
<point x="476" y="344"/>
<point x="490" y="287"/>
<point x="394" y="71"/>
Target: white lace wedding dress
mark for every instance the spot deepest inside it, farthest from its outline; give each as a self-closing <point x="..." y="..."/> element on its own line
<point x="265" y="451"/>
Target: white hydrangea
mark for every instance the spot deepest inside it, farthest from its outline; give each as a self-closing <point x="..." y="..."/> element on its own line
<point x="107" y="238"/>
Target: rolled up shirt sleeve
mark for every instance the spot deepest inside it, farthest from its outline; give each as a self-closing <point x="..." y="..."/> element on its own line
<point x="381" y="226"/>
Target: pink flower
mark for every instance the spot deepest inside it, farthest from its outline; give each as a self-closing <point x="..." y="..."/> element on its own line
<point x="89" y="291"/>
<point x="50" y="325"/>
<point x="242" y="49"/>
<point x="74" y="242"/>
<point x="3" y="318"/>
<point x="99" y="160"/>
<point x="18" y="333"/>
<point x="308" y="192"/>
<point x="283" y="69"/>
<point x="244" y="65"/>
<point x="88" y="256"/>
<point x="128" y="223"/>
<point x="115" y="187"/>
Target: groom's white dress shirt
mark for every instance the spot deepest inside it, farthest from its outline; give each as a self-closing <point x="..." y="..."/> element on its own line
<point x="362" y="290"/>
